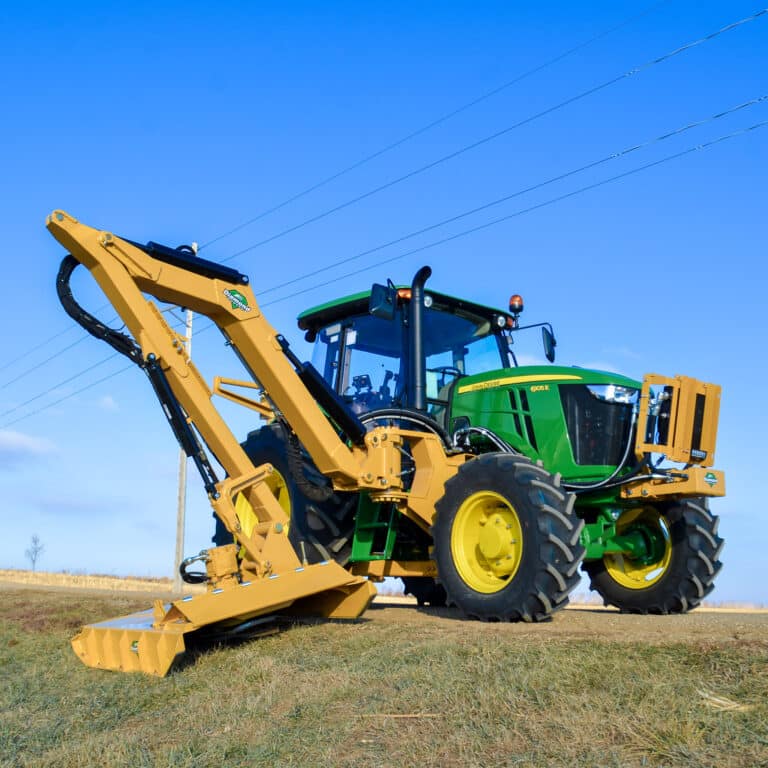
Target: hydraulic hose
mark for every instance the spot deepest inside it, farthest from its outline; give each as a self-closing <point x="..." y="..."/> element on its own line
<point x="579" y="488"/>
<point x="193" y="577"/>
<point x="120" y="342"/>
<point x="407" y="414"/>
<point x="126" y="346"/>
<point x="296" y="462"/>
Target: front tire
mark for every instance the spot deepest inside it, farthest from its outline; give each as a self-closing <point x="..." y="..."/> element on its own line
<point x="681" y="575"/>
<point x="506" y="540"/>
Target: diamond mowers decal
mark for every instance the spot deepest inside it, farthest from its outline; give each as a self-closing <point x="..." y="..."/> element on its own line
<point x="710" y="479"/>
<point x="238" y="300"/>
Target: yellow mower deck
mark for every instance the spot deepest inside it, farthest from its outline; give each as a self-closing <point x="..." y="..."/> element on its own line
<point x="149" y="641"/>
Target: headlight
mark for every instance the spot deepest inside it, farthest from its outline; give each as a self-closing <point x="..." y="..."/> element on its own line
<point x="613" y="393"/>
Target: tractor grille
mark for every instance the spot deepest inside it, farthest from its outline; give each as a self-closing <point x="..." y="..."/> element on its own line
<point x="598" y="430"/>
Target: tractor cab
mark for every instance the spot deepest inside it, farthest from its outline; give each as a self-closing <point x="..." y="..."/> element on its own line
<point x="365" y="353"/>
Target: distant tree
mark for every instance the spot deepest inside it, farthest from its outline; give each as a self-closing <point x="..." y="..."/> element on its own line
<point x="35" y="550"/>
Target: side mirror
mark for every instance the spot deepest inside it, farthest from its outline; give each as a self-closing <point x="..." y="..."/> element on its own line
<point x="383" y="301"/>
<point x="549" y="343"/>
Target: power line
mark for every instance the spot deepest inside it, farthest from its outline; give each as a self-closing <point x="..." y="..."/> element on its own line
<point x="530" y="209"/>
<point x="447" y="157"/>
<point x="608" y="158"/>
<point x="367" y="159"/>
<point x="42" y="363"/>
<point x="56" y="386"/>
<point x="428" y="246"/>
<point x="42" y="344"/>
<point x="60" y="384"/>
<point x="419" y="131"/>
<point x="629" y="73"/>
<point x="61" y="351"/>
<point x="498" y="134"/>
<point x="45" y="343"/>
<point x="438" y="121"/>
<point x="71" y="395"/>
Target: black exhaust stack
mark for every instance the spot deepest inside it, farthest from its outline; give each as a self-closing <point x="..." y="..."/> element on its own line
<point x="417" y="362"/>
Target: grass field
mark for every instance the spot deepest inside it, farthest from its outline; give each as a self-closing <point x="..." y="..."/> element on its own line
<point x="402" y="688"/>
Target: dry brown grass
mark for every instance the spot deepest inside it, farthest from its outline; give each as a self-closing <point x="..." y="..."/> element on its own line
<point x="326" y="694"/>
<point x="86" y="581"/>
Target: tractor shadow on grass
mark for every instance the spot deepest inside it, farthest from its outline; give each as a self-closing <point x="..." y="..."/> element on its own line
<point x="397" y="608"/>
<point x="203" y="642"/>
<point x="406" y="606"/>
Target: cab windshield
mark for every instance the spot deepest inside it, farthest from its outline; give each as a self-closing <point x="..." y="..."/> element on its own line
<point x="364" y="358"/>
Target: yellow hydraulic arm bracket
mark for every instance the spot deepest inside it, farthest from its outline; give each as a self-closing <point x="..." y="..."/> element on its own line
<point x="262" y="574"/>
<point x="260" y="406"/>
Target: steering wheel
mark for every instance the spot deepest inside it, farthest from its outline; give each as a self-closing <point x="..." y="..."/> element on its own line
<point x="446" y="369"/>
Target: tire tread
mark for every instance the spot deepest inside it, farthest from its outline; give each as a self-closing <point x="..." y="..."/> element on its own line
<point x="554" y="533"/>
<point x="692" y="571"/>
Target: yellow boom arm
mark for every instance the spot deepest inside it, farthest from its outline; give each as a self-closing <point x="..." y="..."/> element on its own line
<point x="265" y="574"/>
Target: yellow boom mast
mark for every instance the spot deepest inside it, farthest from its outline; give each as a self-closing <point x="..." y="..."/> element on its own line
<point x="262" y="574"/>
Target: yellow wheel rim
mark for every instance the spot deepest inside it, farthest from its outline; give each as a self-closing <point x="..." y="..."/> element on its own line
<point x="276" y="483"/>
<point x="486" y="542"/>
<point x="637" y="574"/>
<point x="245" y="513"/>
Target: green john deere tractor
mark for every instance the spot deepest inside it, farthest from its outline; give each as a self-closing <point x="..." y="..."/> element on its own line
<point x="600" y="471"/>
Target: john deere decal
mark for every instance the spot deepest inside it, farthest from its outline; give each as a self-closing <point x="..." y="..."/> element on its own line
<point x="238" y="300"/>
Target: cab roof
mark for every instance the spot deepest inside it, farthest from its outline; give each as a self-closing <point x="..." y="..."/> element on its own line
<point x="357" y="304"/>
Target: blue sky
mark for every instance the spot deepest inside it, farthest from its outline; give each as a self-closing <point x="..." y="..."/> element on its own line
<point x="178" y="123"/>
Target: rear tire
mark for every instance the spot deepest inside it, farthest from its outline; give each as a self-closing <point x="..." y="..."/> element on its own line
<point x="506" y="540"/>
<point x="684" y="575"/>
<point x="319" y="530"/>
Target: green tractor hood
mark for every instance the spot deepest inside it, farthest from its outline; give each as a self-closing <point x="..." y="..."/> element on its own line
<point x="576" y="420"/>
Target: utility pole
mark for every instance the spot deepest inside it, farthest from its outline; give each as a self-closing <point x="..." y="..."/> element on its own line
<point x="182" y="497"/>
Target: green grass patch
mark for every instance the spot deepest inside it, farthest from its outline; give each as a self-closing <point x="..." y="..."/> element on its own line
<point x="378" y="693"/>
